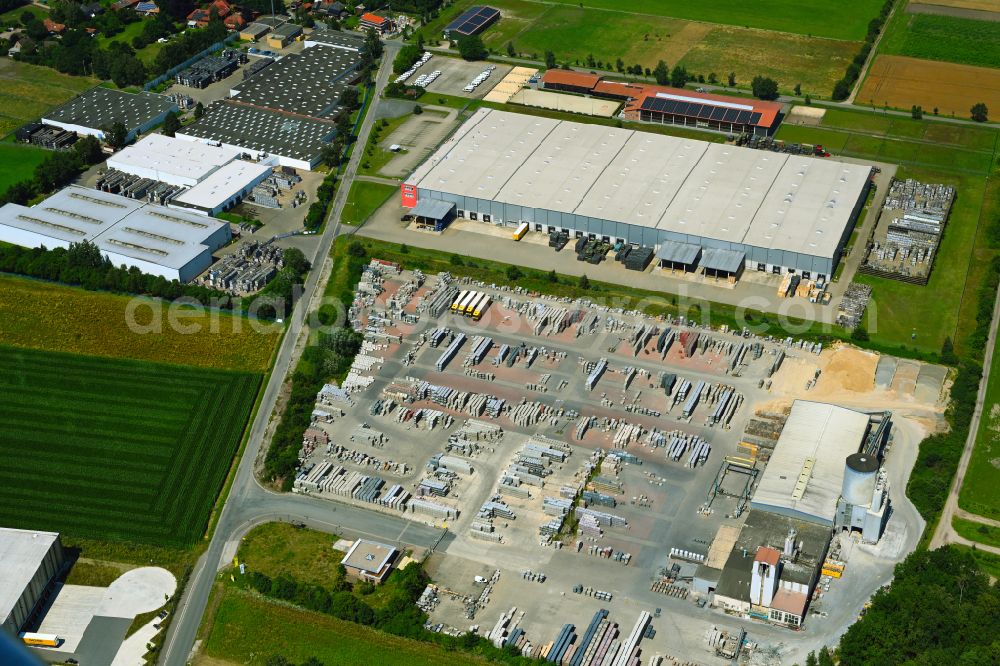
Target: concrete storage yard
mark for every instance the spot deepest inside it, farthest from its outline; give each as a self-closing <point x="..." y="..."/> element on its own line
<point x="429" y="423"/>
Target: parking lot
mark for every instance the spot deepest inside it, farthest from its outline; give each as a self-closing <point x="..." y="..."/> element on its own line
<point x="569" y="396"/>
<point x="456" y="74"/>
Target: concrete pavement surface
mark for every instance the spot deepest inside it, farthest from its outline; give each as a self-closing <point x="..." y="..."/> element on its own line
<point x="248" y="503"/>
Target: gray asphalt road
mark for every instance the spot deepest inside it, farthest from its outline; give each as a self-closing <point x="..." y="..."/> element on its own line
<point x="248" y="503"/>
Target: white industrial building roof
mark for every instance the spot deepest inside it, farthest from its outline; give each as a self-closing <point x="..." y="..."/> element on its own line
<point x="223" y="184"/>
<point x="117" y="225"/>
<point x="806" y="472"/>
<point x="171" y="160"/>
<point x="21" y="552"/>
<point x="678" y="185"/>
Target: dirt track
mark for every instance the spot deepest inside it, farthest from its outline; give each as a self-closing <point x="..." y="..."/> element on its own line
<point x="902" y="82"/>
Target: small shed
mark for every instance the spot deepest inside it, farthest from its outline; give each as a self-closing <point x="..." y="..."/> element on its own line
<point x="433" y="214"/>
<point x="678" y="256"/>
<point x="723" y="263"/>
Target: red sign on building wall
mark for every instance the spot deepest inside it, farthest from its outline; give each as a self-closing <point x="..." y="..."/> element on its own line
<point x="409" y="195"/>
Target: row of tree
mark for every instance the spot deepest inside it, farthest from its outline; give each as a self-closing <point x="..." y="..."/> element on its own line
<point x="842" y="89"/>
<point x="85" y="266"/>
<point x="57" y="169"/>
<point x="396" y="614"/>
<point x="329" y="357"/>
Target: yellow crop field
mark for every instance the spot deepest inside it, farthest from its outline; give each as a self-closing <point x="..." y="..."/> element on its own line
<point x="41" y="315"/>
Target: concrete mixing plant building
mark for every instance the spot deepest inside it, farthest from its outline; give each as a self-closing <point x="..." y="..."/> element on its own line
<point x="825" y="469"/>
<point x="760" y="210"/>
<point x="155" y="239"/>
<point x="31" y="563"/>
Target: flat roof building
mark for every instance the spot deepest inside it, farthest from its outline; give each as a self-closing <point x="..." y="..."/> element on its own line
<point x="32" y="561"/>
<point x="770" y="211"/>
<point x="273" y="137"/>
<point x="90" y="112"/>
<point x="171" y="160"/>
<point x="805" y="475"/>
<point x="308" y="83"/>
<point x="337" y="39"/>
<point x="224" y="188"/>
<point x="157" y="240"/>
<point x="283" y="35"/>
<point x="370" y="560"/>
<point x="772" y="568"/>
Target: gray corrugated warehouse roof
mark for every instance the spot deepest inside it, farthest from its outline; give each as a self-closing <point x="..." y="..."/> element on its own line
<point x="262" y="130"/>
<point x="678" y="253"/>
<point x="336" y="39"/>
<point x="99" y="107"/>
<point x="806" y="472"/>
<point x="309" y="83"/>
<point x="681" y="186"/>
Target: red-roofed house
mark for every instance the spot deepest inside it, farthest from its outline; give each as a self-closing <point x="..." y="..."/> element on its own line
<point x="673" y="106"/>
<point x="380" y="23"/>
<point x="200" y="17"/>
<point x="234" y="22"/>
<point x="53" y="27"/>
<point x="569" y="81"/>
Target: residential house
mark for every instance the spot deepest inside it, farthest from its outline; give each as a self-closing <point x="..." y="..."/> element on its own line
<point x="147" y="8"/>
<point x="53" y="27"/>
<point x="380" y="23"/>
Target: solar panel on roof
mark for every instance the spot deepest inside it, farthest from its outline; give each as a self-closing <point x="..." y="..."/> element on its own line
<point x="731" y="115"/>
<point x="718" y="113"/>
<point x="743" y="117"/>
<point x="706" y="112"/>
<point x="754" y="118"/>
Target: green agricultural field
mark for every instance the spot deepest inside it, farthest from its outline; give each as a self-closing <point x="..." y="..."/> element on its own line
<point x="247" y="629"/>
<point x="28" y="91"/>
<point x="44" y="315"/>
<point x="818" y="18"/>
<point x="18" y="162"/>
<point x="116" y="450"/>
<point x="944" y="38"/>
<point x="971" y="137"/>
<point x="364" y="199"/>
<point x="814" y="18"/>
<point x="815" y="64"/>
<point x="573" y="33"/>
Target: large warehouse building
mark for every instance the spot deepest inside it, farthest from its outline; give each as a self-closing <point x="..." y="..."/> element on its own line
<point x="214" y="177"/>
<point x="31" y="561"/>
<point x="92" y="111"/>
<point x="155" y="239"/>
<point x="759" y="209"/>
<point x="825" y="469"/>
